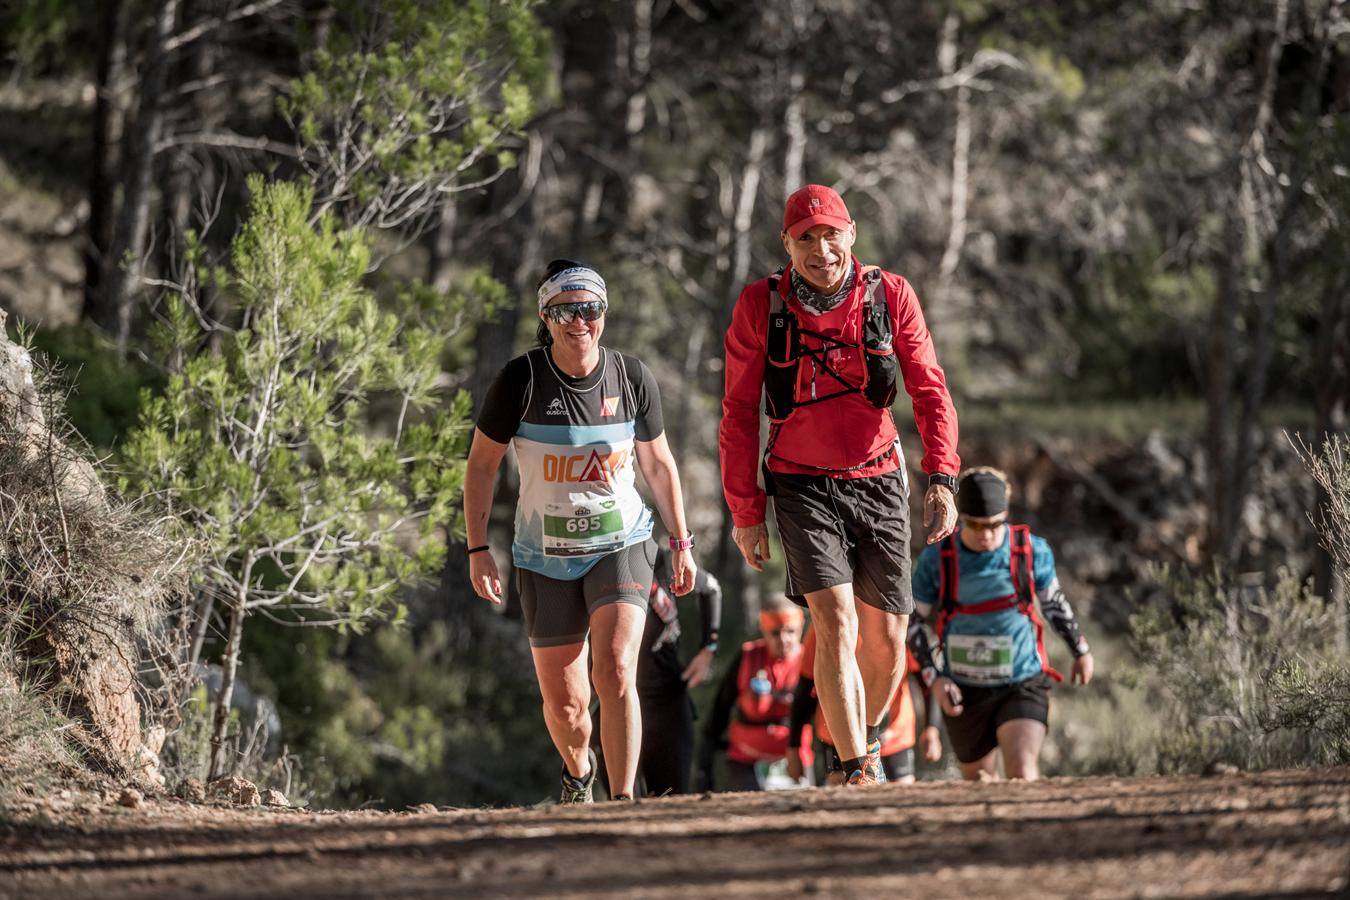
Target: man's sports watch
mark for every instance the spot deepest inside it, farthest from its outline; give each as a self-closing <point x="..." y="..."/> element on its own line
<point x="947" y="481"/>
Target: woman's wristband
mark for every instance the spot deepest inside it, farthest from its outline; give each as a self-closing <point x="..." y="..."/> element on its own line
<point x="684" y="543"/>
<point x="473" y="550"/>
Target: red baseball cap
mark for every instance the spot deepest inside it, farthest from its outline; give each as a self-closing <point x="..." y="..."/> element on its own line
<point x="814" y="204"/>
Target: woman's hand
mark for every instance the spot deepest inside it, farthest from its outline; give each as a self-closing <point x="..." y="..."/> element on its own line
<point x="682" y="572"/>
<point x="483" y="575"/>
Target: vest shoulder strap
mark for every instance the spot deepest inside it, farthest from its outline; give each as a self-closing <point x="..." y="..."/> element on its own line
<point x="1023" y="568"/>
<point x="776" y="304"/>
<point x="949" y="574"/>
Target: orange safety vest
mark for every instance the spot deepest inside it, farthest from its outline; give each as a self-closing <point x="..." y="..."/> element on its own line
<point x="759" y="724"/>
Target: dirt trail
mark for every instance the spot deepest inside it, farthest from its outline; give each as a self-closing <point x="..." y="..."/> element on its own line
<point x="1272" y="834"/>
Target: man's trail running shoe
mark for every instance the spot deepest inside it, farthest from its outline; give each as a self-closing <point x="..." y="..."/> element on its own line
<point x="873" y="765"/>
<point x="578" y="790"/>
<point x="861" y="777"/>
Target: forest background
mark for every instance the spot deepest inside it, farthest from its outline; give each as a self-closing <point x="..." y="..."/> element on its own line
<point x="1126" y="222"/>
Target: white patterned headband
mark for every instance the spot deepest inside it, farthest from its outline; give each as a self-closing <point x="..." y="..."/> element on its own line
<point x="577" y="278"/>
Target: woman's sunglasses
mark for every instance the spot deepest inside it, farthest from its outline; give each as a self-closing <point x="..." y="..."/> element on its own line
<point x="564" y="313"/>
<point x="984" y="526"/>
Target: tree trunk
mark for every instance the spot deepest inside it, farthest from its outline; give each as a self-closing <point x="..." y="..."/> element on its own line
<point x="126" y="256"/>
<point x="1219" y="384"/>
<point x="1331" y="402"/>
<point x="794" y="130"/>
<point x="440" y="270"/>
<point x="1241" y="245"/>
<point x="731" y="566"/>
<point x="108" y="123"/>
<point x="229" y="667"/>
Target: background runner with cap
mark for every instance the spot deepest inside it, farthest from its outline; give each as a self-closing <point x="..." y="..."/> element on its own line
<point x="823" y="345"/>
<point x="981" y="590"/>
<point x="579" y="416"/>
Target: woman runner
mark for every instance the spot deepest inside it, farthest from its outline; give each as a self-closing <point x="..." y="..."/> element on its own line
<point x="578" y="415"/>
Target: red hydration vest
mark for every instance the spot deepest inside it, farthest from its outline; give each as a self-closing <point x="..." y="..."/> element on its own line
<point x="759" y="724"/>
<point x="851" y="361"/>
<point x="1023" y="597"/>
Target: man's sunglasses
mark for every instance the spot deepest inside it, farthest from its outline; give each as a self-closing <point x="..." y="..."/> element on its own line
<point x="984" y="526"/>
<point x="564" y="313"/>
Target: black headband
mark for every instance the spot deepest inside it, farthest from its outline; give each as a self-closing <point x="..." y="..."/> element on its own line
<point x="982" y="495"/>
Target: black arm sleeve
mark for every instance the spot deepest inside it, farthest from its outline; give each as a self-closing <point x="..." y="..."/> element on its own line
<point x="504" y="404"/>
<point x="720" y="714"/>
<point x="650" y="423"/>
<point x="709" y="605"/>
<point x="803" y="708"/>
<point x="932" y="710"/>
<point x="917" y="640"/>
<point x="1060" y="616"/>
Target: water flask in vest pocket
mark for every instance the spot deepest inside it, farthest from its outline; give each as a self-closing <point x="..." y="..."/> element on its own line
<point x="780" y="373"/>
<point x="882" y="366"/>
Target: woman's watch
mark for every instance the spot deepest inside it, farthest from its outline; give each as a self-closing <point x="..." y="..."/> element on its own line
<point x="684" y="543"/>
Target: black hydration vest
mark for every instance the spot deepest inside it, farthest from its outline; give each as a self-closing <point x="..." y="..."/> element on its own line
<point x="785" y="351"/>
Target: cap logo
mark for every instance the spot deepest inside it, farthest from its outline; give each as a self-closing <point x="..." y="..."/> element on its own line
<point x="815" y="201"/>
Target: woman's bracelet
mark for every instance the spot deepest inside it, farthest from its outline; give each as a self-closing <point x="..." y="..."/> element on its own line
<point x="473" y="550"/>
<point x="684" y="543"/>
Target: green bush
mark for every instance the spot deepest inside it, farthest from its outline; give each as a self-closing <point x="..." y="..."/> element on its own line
<point x="1222" y="670"/>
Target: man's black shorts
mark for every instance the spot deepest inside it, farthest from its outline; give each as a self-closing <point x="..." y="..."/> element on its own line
<point x="847" y="530"/>
<point x="975" y="732"/>
<point x="559" y="612"/>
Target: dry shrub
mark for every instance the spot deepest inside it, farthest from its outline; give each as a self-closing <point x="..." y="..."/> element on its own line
<point x="90" y="584"/>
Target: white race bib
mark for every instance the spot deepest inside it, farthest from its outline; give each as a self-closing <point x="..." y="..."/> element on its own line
<point x="583" y="529"/>
<point x="980" y="658"/>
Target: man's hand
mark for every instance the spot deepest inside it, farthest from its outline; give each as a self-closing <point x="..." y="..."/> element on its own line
<point x="697" y="671"/>
<point x="939" y="511"/>
<point x="682" y="572"/>
<point x="1082" y="669"/>
<point x="930" y="744"/>
<point x="948" y="696"/>
<point x="753" y="542"/>
<point x="794" y="763"/>
<point x="487" y="583"/>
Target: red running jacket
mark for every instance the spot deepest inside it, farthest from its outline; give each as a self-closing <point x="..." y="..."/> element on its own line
<point x="836" y="434"/>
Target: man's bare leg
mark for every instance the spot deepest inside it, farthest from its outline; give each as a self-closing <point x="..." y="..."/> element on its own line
<point x="839" y="682"/>
<point x="984" y="769"/>
<point x="1020" y="742"/>
<point x="881" y="657"/>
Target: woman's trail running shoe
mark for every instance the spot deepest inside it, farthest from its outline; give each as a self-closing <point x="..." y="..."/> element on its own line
<point x="578" y="790"/>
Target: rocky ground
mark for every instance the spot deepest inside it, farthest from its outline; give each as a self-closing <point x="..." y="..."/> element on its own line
<point x="1271" y="834"/>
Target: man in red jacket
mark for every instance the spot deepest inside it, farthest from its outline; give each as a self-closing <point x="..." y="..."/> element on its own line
<point x="826" y="342"/>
